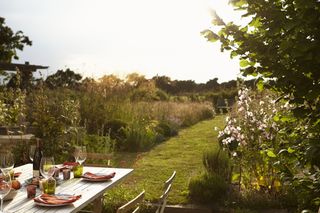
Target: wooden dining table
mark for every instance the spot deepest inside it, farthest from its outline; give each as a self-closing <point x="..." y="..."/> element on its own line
<point x="89" y="191"/>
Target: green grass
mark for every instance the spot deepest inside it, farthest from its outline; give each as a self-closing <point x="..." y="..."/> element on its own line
<point x="182" y="153"/>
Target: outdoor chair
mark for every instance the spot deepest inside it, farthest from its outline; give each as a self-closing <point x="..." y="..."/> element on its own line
<point x="166" y="189"/>
<point x="99" y="157"/>
<point x="134" y="203"/>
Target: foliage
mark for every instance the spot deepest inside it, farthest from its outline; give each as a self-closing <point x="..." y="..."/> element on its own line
<point x="262" y="162"/>
<point x="166" y="129"/>
<point x="250" y="137"/>
<point x="138" y="136"/>
<point x="55" y="115"/>
<point x="67" y="78"/>
<point x="217" y="162"/>
<point x="208" y="188"/>
<point x="10" y="42"/>
<point x="12" y="106"/>
<point x="280" y="44"/>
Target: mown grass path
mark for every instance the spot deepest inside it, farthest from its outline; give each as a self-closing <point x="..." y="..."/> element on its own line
<point x="182" y="153"/>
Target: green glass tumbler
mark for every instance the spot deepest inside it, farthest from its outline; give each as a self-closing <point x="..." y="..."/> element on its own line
<point x="77" y="171"/>
<point x="49" y="186"/>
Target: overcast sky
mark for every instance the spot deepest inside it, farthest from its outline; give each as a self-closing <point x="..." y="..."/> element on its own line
<point x="98" y="37"/>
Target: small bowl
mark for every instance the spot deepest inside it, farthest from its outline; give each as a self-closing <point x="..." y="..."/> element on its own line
<point x="11" y="194"/>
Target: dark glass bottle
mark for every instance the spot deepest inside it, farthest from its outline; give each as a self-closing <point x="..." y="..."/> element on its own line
<point x="36" y="160"/>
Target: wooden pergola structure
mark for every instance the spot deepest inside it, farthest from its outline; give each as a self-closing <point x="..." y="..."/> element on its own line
<point x="26" y="67"/>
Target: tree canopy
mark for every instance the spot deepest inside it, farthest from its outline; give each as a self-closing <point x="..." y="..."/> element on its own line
<point x="67" y="78"/>
<point x="10" y="42"/>
<point x="280" y="46"/>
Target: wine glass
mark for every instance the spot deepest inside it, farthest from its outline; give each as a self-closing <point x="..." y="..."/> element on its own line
<point x="31" y="152"/>
<point x="80" y="154"/>
<point x="47" y="167"/>
<point x="6" y="162"/>
<point x="5" y="187"/>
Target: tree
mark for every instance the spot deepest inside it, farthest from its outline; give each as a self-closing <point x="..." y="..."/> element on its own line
<point x="280" y="46"/>
<point x="67" y="78"/>
<point x="212" y="84"/>
<point x="10" y="42"/>
<point x="135" y="79"/>
<point x="163" y="83"/>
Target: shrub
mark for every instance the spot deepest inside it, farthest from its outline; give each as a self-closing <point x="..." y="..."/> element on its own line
<point x="161" y="95"/>
<point x="166" y="129"/>
<point x="217" y="161"/>
<point x="137" y="138"/>
<point x="115" y="129"/>
<point x="207" y="188"/>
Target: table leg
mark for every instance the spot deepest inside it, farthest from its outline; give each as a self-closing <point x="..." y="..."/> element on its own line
<point x="97" y="205"/>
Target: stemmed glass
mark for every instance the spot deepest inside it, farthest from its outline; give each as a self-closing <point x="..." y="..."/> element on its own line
<point x="31" y="152"/>
<point x="80" y="154"/>
<point x="6" y="162"/>
<point x="5" y="187"/>
<point x="47" y="167"/>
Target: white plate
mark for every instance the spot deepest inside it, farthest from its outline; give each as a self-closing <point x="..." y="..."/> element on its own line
<point x="52" y="205"/>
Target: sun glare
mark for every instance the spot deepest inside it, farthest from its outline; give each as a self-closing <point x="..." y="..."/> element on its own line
<point x="103" y="37"/>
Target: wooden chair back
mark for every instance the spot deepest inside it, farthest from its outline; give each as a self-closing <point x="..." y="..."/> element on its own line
<point x="132" y="204"/>
<point x="98" y="157"/>
<point x="166" y="189"/>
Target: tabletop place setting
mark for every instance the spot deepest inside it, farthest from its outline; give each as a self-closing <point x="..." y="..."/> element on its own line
<point x="49" y="184"/>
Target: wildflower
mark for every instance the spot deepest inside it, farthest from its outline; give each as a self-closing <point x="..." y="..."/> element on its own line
<point x="221" y="134"/>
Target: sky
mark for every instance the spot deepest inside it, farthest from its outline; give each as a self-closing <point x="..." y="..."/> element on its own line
<point x="102" y="37"/>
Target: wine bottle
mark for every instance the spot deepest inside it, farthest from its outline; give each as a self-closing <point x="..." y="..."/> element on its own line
<point x="36" y="160"/>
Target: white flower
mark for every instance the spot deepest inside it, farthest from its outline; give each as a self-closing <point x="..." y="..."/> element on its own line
<point x="221" y="133"/>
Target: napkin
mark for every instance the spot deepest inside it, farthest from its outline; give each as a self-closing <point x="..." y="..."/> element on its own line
<point x="56" y="199"/>
<point x="93" y="176"/>
<point x="16" y="174"/>
<point x="68" y="165"/>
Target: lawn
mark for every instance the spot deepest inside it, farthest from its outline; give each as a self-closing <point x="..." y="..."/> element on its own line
<point x="182" y="153"/>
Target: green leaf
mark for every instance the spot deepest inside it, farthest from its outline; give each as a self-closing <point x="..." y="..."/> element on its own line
<point x="211" y="36"/>
<point x="287" y="119"/>
<point x="233" y="54"/>
<point x="271" y="154"/>
<point x="291" y="150"/>
<point x="244" y="63"/>
<point x="260" y="85"/>
<point x="235" y="177"/>
<point x="217" y="20"/>
<point x="255" y="23"/>
<point x="238" y="3"/>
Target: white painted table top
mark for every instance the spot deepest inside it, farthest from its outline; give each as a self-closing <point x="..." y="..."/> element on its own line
<point x="89" y="191"/>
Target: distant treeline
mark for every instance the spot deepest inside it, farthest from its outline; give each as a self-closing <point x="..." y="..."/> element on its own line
<point x="139" y="87"/>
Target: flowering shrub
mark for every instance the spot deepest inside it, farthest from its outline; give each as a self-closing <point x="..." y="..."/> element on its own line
<point x="250" y="136"/>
